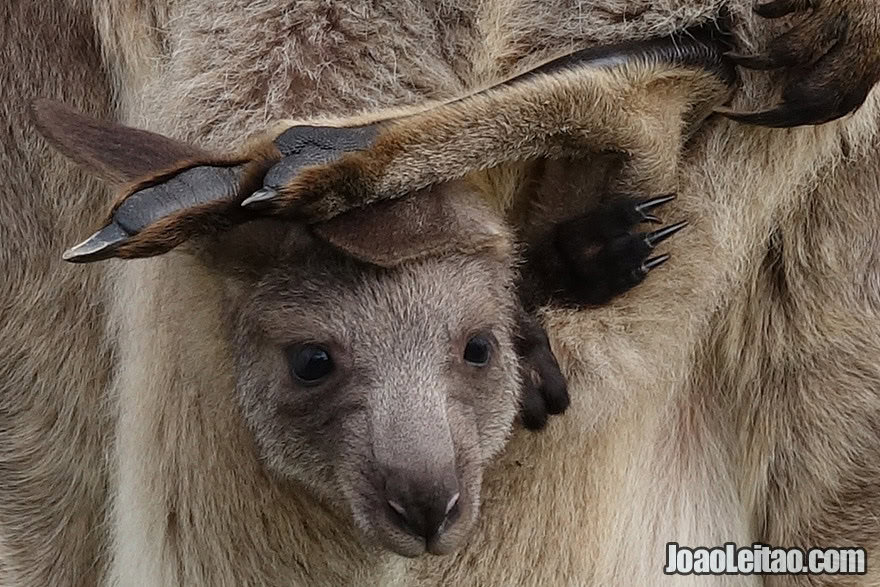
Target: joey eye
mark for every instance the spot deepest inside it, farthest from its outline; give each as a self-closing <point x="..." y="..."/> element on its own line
<point x="478" y="350"/>
<point x="309" y="363"/>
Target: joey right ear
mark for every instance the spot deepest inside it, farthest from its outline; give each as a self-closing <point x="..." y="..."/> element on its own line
<point x="171" y="191"/>
<point x="442" y="219"/>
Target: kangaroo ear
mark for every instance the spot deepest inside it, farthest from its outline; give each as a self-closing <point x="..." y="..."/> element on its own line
<point x="170" y="191"/>
<point x="571" y="106"/>
<point x="442" y="219"/>
<point x="115" y="153"/>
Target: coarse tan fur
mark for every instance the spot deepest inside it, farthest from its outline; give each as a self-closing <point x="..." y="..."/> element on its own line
<point x="735" y="399"/>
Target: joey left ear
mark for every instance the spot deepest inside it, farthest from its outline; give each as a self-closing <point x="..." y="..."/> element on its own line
<point x="441" y="219"/>
<point x="171" y="191"/>
<point x="115" y="153"/>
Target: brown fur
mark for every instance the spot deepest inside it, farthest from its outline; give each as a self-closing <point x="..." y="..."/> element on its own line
<point x="666" y="381"/>
<point x="139" y="154"/>
<point x="56" y="430"/>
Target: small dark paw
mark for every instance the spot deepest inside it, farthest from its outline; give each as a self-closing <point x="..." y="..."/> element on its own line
<point x="601" y="255"/>
<point x="831" y="54"/>
<point x="544" y="389"/>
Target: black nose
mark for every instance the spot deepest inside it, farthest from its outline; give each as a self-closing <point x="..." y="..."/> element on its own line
<point x="421" y="504"/>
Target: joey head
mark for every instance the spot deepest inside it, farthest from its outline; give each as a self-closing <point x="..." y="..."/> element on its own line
<point x="382" y="356"/>
<point x="383" y="350"/>
<point x="385" y="389"/>
<point x="376" y="353"/>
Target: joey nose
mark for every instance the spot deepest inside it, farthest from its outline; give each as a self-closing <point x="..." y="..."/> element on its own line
<point x="419" y="505"/>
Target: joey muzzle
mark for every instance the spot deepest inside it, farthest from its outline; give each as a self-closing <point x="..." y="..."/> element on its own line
<point x="422" y="504"/>
<point x="423" y="484"/>
<point x="421" y="508"/>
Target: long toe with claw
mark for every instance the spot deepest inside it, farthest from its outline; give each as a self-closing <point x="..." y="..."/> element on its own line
<point x="304" y="146"/>
<point x="831" y="57"/>
<point x="658" y="236"/>
<point x="647" y="206"/>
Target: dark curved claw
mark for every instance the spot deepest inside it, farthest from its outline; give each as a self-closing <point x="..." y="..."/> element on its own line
<point x="655" y="202"/>
<point x="831" y="55"/>
<point x="783" y="116"/>
<point x="97" y="247"/>
<point x="178" y="201"/>
<point x="760" y="62"/>
<point x="780" y="8"/>
<point x="701" y="46"/>
<point x="645" y="207"/>
<point x="652" y="239"/>
<point x="803" y="105"/>
<point x="654" y="262"/>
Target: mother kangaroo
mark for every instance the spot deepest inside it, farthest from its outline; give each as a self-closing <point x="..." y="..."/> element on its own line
<point x="735" y="399"/>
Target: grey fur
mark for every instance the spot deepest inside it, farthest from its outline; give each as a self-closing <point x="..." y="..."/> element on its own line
<point x="711" y="405"/>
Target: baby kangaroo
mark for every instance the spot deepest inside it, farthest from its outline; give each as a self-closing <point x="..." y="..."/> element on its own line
<point x="383" y="338"/>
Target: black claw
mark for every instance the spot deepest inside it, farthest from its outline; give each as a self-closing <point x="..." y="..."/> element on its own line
<point x="654" y="262"/>
<point x="645" y="207"/>
<point x="759" y="62"/>
<point x="99" y="246"/>
<point x="652" y="239"/>
<point x="783" y="116"/>
<point x="776" y="8"/>
<point x="260" y="197"/>
<point x="648" y="205"/>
